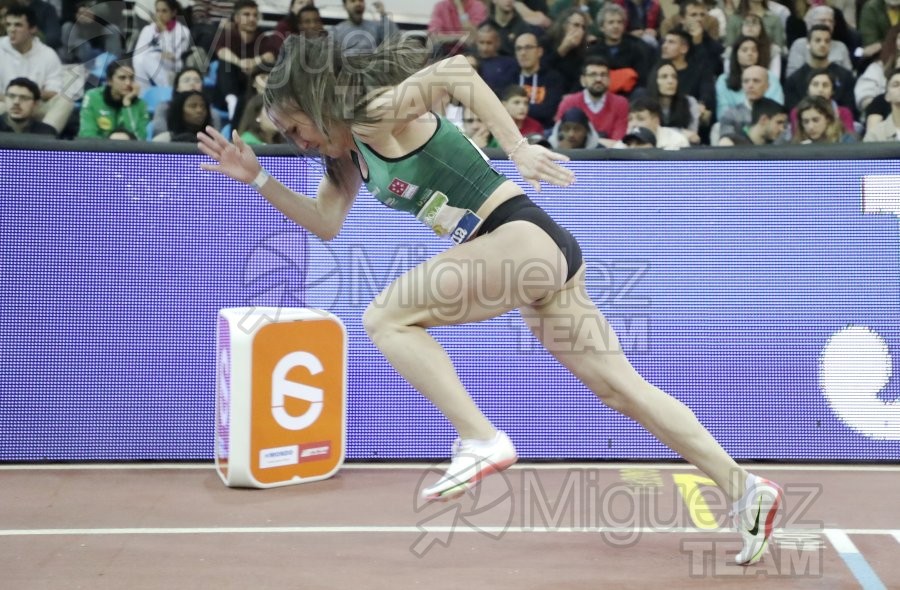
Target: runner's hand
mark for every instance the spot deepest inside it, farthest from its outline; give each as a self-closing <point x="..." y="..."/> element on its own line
<point x="235" y="160"/>
<point x="537" y="163"/>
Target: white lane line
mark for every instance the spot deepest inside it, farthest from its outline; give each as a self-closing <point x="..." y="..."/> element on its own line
<point x="860" y="531"/>
<point x="838" y="537"/>
<point x="327" y="529"/>
<point x="841" y="541"/>
<point x="423" y="466"/>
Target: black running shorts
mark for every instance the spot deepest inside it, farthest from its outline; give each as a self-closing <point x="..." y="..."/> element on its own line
<point x="521" y="208"/>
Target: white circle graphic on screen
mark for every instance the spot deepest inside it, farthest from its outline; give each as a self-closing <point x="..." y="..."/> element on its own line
<point x="854" y="367"/>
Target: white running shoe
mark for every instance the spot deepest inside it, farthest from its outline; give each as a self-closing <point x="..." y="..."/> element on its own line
<point x="472" y="460"/>
<point x="754" y="517"/>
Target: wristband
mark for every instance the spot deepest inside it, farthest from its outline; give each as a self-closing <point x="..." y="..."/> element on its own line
<point x="260" y="179"/>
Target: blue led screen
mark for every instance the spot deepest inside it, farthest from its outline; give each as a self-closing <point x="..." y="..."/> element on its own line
<point x="765" y="295"/>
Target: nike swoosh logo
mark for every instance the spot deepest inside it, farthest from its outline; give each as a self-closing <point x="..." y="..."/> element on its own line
<point x="755" y="528"/>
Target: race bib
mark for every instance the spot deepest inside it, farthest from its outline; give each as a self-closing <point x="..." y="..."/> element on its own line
<point x="446" y="221"/>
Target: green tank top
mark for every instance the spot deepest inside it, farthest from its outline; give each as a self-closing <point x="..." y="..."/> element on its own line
<point x="443" y="183"/>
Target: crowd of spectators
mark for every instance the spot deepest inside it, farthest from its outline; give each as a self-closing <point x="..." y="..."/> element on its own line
<point x="572" y="73"/>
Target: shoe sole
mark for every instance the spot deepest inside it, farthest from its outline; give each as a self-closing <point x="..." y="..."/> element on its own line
<point x="459" y="490"/>
<point x="769" y="526"/>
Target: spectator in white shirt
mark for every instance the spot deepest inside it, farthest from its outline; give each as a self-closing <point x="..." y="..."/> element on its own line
<point x="161" y="46"/>
<point x="23" y="55"/>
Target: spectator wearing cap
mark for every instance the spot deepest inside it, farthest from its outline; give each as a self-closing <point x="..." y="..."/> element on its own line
<point x="22" y="99"/>
<point x="638" y="137"/>
<point x="646" y="113"/>
<point x="607" y="112"/>
<point x="573" y="131"/>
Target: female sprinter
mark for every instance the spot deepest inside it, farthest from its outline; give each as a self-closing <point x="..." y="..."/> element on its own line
<point x="371" y="116"/>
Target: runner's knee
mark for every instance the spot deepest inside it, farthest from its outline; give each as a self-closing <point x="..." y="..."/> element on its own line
<point x="374" y="319"/>
<point x="381" y="319"/>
